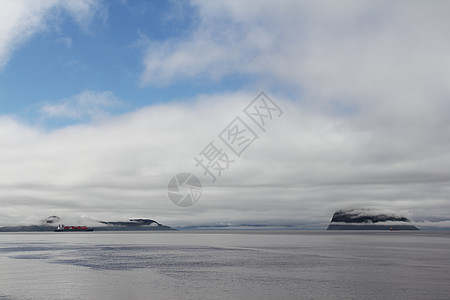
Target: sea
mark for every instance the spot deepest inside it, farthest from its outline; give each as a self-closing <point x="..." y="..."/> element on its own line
<point x="226" y="265"/>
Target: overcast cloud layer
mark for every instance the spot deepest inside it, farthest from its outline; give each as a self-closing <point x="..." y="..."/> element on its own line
<point x="364" y="90"/>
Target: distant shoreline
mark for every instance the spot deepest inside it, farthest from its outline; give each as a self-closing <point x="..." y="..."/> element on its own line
<point x="36" y="228"/>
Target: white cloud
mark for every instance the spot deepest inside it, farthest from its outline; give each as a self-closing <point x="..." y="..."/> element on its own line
<point x="306" y="166"/>
<point x="21" y="19"/>
<point x="309" y="43"/>
<point x="380" y="68"/>
<point x="84" y="106"/>
<point x="383" y="57"/>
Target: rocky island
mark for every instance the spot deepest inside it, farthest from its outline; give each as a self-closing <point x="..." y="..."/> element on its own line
<point x="132" y="224"/>
<point x="369" y="219"/>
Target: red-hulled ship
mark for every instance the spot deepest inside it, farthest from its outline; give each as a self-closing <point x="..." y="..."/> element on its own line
<point x="63" y="228"/>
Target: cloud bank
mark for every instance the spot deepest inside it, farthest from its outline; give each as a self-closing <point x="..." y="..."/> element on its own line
<point x="300" y="171"/>
<point x="363" y="86"/>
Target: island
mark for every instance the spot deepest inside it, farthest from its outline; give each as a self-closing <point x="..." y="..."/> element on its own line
<point x="369" y="219"/>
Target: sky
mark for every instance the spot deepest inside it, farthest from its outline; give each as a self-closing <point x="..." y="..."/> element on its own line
<point x="102" y="103"/>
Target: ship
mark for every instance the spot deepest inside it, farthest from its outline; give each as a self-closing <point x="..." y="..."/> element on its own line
<point x="63" y="228"/>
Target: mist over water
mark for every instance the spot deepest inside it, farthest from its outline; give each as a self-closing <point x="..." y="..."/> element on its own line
<point x="225" y="265"/>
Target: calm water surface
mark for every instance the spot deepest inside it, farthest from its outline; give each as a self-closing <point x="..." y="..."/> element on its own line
<point x="225" y="265"/>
